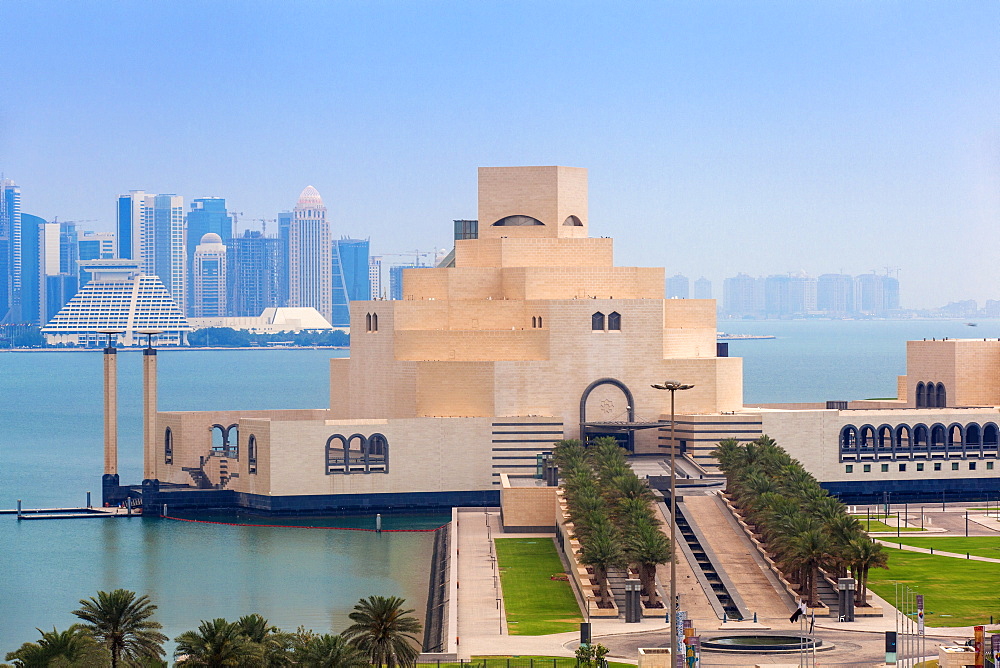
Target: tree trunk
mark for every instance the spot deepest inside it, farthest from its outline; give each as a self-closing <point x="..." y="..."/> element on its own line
<point x="602" y="584"/>
<point x="648" y="573"/>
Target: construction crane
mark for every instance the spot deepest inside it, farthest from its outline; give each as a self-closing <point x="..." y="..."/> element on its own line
<point x="415" y="254"/>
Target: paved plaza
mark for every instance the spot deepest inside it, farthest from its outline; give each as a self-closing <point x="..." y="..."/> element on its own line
<point x="482" y="628"/>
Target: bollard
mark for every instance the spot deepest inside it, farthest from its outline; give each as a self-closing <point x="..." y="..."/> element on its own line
<point x="88" y="501"/>
<point x="378" y="522"/>
<point x="19" y="509"/>
<point x="724" y="617"/>
<point x="755" y="618"/>
<point x="164" y="510"/>
<point x="128" y="504"/>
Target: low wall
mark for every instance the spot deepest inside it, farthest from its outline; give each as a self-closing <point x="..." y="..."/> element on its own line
<point x="578" y="575"/>
<point x="526" y="509"/>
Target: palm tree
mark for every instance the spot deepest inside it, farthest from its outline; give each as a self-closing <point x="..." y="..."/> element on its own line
<point x="121" y="622"/>
<point x="273" y="643"/>
<point x="72" y="647"/>
<point x="216" y="644"/>
<point x="865" y="554"/>
<point x="383" y="630"/>
<point x="810" y="550"/>
<point x="646" y="546"/>
<point x="329" y="651"/>
<point x="602" y="550"/>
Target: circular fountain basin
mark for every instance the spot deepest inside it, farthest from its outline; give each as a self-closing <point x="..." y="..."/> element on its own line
<point x="761" y="643"/>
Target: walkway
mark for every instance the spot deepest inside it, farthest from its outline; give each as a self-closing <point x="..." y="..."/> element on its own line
<point x="937" y="553"/>
<point x="735" y="554"/>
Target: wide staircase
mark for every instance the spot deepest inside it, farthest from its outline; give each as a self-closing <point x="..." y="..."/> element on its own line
<point x="710" y="570"/>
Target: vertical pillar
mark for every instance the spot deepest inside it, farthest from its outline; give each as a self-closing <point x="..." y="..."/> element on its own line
<point x="149" y="411"/>
<point x="110" y="409"/>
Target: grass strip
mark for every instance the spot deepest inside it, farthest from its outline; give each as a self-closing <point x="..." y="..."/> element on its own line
<point x="875" y="525"/>
<point x="527" y="661"/>
<point x="535" y="603"/>
<point x="980" y="546"/>
<point x="958" y="592"/>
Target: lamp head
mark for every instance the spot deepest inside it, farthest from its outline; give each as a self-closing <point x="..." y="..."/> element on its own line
<point x="672" y="385"/>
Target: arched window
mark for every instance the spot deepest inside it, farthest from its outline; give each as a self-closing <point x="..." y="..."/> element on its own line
<point x="573" y="221"/>
<point x="848" y="442"/>
<point x="168" y="447"/>
<point x="517" y="221"/>
<point x="336" y="454"/>
<point x="539" y="322"/>
<point x="974" y="439"/>
<point x="252" y="453"/>
<point x="866" y="440"/>
<point x="614" y="321"/>
<point x="368" y="322"/>
<point x="355" y="459"/>
<point x="374" y="322"/>
<point x="921" y="440"/>
<point x="956" y="440"/>
<point x="886" y="443"/>
<point x="991" y="439"/>
<point x="377" y="449"/>
<point x="597" y="322"/>
<point x="938" y="438"/>
<point x="534" y="322"/>
<point x="921" y="395"/>
<point x="904" y="440"/>
<point x="942" y="396"/>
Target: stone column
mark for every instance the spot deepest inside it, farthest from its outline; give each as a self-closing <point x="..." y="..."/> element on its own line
<point x="149" y="412"/>
<point x="110" y="410"/>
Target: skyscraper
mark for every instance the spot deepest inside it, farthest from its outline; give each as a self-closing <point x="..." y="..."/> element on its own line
<point x="375" y="276"/>
<point x="835" y="294"/>
<point x="32" y="284"/>
<point x="310" y="251"/>
<point x="256" y="273"/>
<point x="742" y="295"/>
<point x="210" y="277"/>
<point x="151" y="231"/>
<point x="10" y="250"/>
<point x="208" y="215"/>
<point x="94" y="246"/>
<point x="354" y="263"/>
<point x="703" y="288"/>
<point x="678" y="287"/>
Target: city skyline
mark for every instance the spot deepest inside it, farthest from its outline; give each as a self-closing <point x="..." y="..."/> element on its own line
<point x="862" y="131"/>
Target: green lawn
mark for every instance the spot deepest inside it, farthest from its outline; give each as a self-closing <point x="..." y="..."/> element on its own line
<point x="959" y="592"/>
<point x="980" y="546"/>
<point x="875" y="525"/>
<point x="535" y="603"/>
<point x="527" y="661"/>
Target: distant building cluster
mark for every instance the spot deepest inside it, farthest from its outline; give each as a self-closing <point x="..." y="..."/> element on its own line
<point x="798" y="295"/>
<point x="204" y="266"/>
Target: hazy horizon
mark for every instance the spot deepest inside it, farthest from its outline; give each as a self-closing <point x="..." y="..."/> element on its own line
<point x="720" y="137"/>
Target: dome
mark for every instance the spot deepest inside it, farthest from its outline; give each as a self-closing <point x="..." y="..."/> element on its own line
<point x="310" y="198"/>
<point x="211" y="238"/>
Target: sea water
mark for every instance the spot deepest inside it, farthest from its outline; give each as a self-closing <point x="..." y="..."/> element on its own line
<point x="51" y="454"/>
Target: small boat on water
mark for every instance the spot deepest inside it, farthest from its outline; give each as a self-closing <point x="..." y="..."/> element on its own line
<point x="722" y="336"/>
<point x="972" y="324"/>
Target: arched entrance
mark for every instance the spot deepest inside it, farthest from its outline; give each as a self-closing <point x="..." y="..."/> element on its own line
<point x="607" y="408"/>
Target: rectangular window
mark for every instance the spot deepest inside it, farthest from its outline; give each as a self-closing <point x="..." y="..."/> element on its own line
<point x="954" y="466"/>
<point x="989" y="466"/>
<point x="902" y="467"/>
<point x="937" y="466"/>
<point x="920" y="467"/>
<point x="972" y="466"/>
<point x="885" y="468"/>
<point x="849" y="468"/>
<point x="868" y="468"/>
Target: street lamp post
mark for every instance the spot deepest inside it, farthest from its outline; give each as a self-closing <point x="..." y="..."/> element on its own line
<point x="672" y="386"/>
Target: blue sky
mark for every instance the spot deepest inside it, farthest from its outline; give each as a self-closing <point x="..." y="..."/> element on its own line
<point x="721" y="137"/>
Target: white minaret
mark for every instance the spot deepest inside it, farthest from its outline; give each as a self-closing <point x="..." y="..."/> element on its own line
<point x="310" y="255"/>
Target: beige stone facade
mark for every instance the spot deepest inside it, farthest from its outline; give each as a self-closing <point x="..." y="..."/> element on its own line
<point x="483" y="365"/>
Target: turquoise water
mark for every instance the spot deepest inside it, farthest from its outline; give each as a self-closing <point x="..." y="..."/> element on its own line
<point x="50" y="455"/>
<point x="821" y="360"/>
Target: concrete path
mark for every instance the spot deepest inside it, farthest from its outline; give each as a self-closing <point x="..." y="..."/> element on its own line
<point x="936" y="553"/>
<point x="734" y="552"/>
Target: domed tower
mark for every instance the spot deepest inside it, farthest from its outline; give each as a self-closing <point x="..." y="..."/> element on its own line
<point x="210" y="277"/>
<point x="310" y="255"/>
